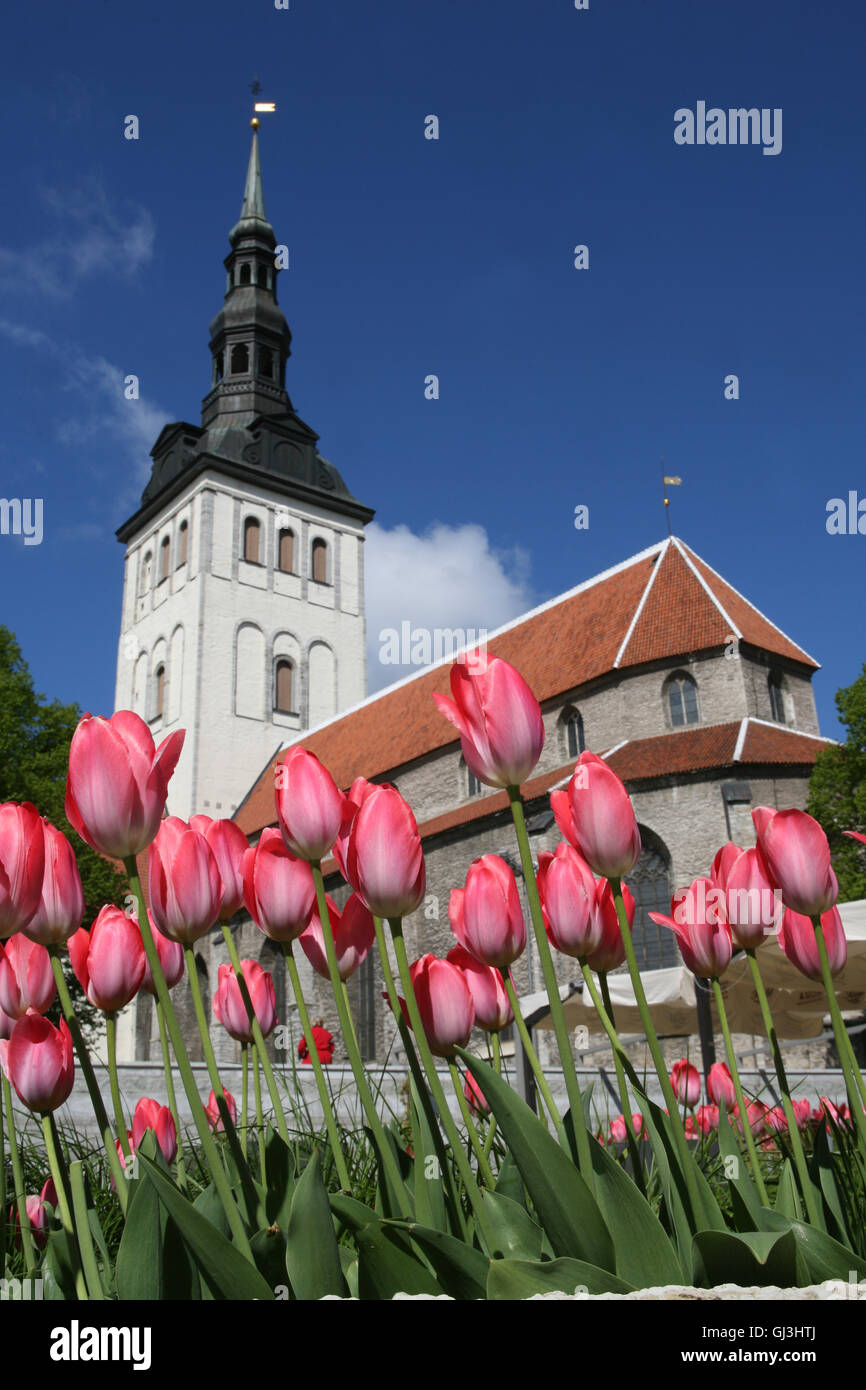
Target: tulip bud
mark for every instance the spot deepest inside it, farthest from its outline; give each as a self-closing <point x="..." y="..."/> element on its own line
<point x="309" y="806"/>
<point x="498" y="719"/>
<point x="228" y="844"/>
<point x="601" y="825"/>
<point x="567" y="890"/>
<point x="698" y="921"/>
<point x="149" y="1114"/>
<point x="796" y="858"/>
<point x="720" y="1086"/>
<point x="444" y="1003"/>
<point x="212" y="1111"/>
<point x="384" y="859"/>
<point x="230" y="1009"/>
<point x="352" y="802"/>
<point x="22" y="862"/>
<point x="26" y="978"/>
<point x="279" y="891"/>
<point x="610" y="953"/>
<point x="707" y="1118"/>
<point x="109" y="960"/>
<point x="170" y="958"/>
<point x="353" y="932"/>
<point x="493" y="1010"/>
<point x="38" y="1061"/>
<point x="686" y="1083"/>
<point x="797" y="940"/>
<point x="186" y="889"/>
<point x="475" y="1096"/>
<point x="117" y="783"/>
<point x="486" y="916"/>
<point x="61" y="903"/>
<point x="752" y="906"/>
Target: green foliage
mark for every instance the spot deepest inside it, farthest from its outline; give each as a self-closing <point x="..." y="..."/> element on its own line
<point x="837" y="792"/>
<point x="35" y="735"/>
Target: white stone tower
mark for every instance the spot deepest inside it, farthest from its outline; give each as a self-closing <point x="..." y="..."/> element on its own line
<point x="243" y="592"/>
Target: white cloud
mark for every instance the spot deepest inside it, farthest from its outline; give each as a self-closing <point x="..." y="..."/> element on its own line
<point x="447" y="578"/>
<point x="91" y="237"/>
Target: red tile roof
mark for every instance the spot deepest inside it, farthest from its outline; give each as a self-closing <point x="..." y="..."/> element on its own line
<point x="651" y="607"/>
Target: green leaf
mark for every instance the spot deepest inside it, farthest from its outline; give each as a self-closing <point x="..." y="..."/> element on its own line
<point x="754" y="1258"/>
<point x="61" y="1261"/>
<point x="787" y="1198"/>
<point x="460" y="1270"/>
<point x="349" y="1264"/>
<point x="645" y="1256"/>
<point x="208" y="1203"/>
<point x="517" y="1279"/>
<point x="509" y="1182"/>
<point x="390" y="1201"/>
<point x="139" y="1272"/>
<point x="223" y="1268"/>
<point x="517" y="1235"/>
<point x="386" y="1266"/>
<point x="428" y="1177"/>
<point x="736" y="1163"/>
<point x="824" y="1174"/>
<point x="824" y="1257"/>
<point x="565" y="1206"/>
<point x="269" y="1253"/>
<point x="352" y="1214"/>
<point x="707" y="1214"/>
<point x="280" y="1171"/>
<point x="312" y="1256"/>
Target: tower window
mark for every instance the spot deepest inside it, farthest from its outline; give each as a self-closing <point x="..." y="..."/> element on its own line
<point x="146" y="571"/>
<point x="571" y="724"/>
<point x="182" y="544"/>
<point x="159" y="680"/>
<point x="777" y="697"/>
<point x="283" y="687"/>
<point x="218" y="368"/>
<point x="266" y="362"/>
<point x="164" y="558"/>
<point x="240" y="359"/>
<point x="252" y="540"/>
<point x="287" y="552"/>
<point x="263" y="277"/>
<point x="683" y="700"/>
<point x="246" y="273"/>
<point x="320" y="561"/>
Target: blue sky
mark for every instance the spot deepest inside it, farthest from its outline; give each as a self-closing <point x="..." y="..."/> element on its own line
<point x="455" y="257"/>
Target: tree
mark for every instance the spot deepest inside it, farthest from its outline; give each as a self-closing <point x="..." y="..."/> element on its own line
<point x="35" y="735"/>
<point x="837" y="791"/>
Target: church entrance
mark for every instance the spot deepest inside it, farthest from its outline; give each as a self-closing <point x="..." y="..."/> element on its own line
<point x="655" y="946"/>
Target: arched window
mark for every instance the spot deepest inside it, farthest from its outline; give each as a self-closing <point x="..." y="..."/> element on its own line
<point x="287" y="552"/>
<point x="218" y="368"/>
<point x="320" y="561"/>
<point x="240" y="359"/>
<point x="252" y="540"/>
<point x="775" y="685"/>
<point x="573" y="738"/>
<point x="182" y="544"/>
<point x="682" y="693"/>
<point x="159" y="692"/>
<point x="284" y="679"/>
<point x="263" y="277"/>
<point x="146" y="572"/>
<point x="649" y="881"/>
<point x="266" y="362"/>
<point x="164" y="558"/>
<point x="245" y="273"/>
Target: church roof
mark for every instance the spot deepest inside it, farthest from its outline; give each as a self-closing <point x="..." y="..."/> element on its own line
<point x="661" y="604"/>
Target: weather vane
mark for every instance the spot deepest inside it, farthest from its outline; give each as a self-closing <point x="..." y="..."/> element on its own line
<point x="264" y="106"/>
<point x="668" y="481"/>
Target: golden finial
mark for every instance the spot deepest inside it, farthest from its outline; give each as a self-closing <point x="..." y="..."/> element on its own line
<point x="255" y="122"/>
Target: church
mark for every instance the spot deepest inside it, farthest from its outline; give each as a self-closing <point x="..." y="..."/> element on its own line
<point x="243" y="622"/>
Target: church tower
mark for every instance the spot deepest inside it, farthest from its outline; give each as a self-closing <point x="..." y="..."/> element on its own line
<point x="243" y="593"/>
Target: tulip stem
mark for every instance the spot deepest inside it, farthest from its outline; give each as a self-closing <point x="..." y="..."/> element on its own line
<point x="316" y="1062"/>
<point x="491" y="1119"/>
<point x="738" y="1089"/>
<point x="847" y="1061"/>
<point x="382" y="1142"/>
<point x="170" y="1091"/>
<point x="258" y="1036"/>
<point x="532" y="1055"/>
<point x="473" y="1192"/>
<point x="58" y="1173"/>
<point x="89" y="1076"/>
<point x="119" y="1119"/>
<point x="17" y="1181"/>
<point x="575" y="1099"/>
<point x="214" y="1162"/>
<point x="806" y="1185"/>
<point x="624" y="1098"/>
<point x="260" y="1124"/>
<point x="245" y="1093"/>
<point x="472" y="1132"/>
<point x="82" y="1226"/>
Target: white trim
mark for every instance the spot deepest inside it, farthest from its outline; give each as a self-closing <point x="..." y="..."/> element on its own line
<point x="741" y="738"/>
<point x="616" y="747"/>
<point x="643" y="598"/>
<point x="781" y="728"/>
<point x="755" y="609"/>
<point x="735" y="631"/>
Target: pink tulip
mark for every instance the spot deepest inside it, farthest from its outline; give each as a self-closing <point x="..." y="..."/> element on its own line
<point x="610" y="953"/>
<point x="486" y="916"/>
<point x="802" y="1112"/>
<point x="309" y="805"/>
<point x="149" y="1114"/>
<point x="170" y="958"/>
<point x="228" y="845"/>
<point x="776" y="1120"/>
<point x="753" y="908"/>
<point x="38" y="1061"/>
<point x="229" y="1007"/>
<point x="6" y="1026"/>
<point x="797" y="940"/>
<point x="22" y="862"/>
<point x="855" y="835"/>
<point x="707" y="1118"/>
<point x="720" y="1086"/>
<point x="725" y="858"/>
<point x="568" y="891"/>
<point x="444" y="1003"/>
<point x="352" y="803"/>
<point x="109" y="960"/>
<point x="796" y="858"/>
<point x="757" y="1113"/>
<point x="353" y="932"/>
<point x="61" y="903"/>
<point x="26" y="978"/>
<point x="186" y="889"/>
<point x="493" y="1010"/>
<point x="698" y="921"/>
<point x="618" y="1131"/>
<point x="831" y="1114"/>
<point x="498" y="719"/>
<point x="38" y="1215"/>
<point x="212" y="1111"/>
<point x="686" y="1083"/>
<point x="118" y="782"/>
<point x="279" y="891"/>
<point x="475" y="1096"/>
<point x="384" y="859"/>
<point x="597" y="818"/>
